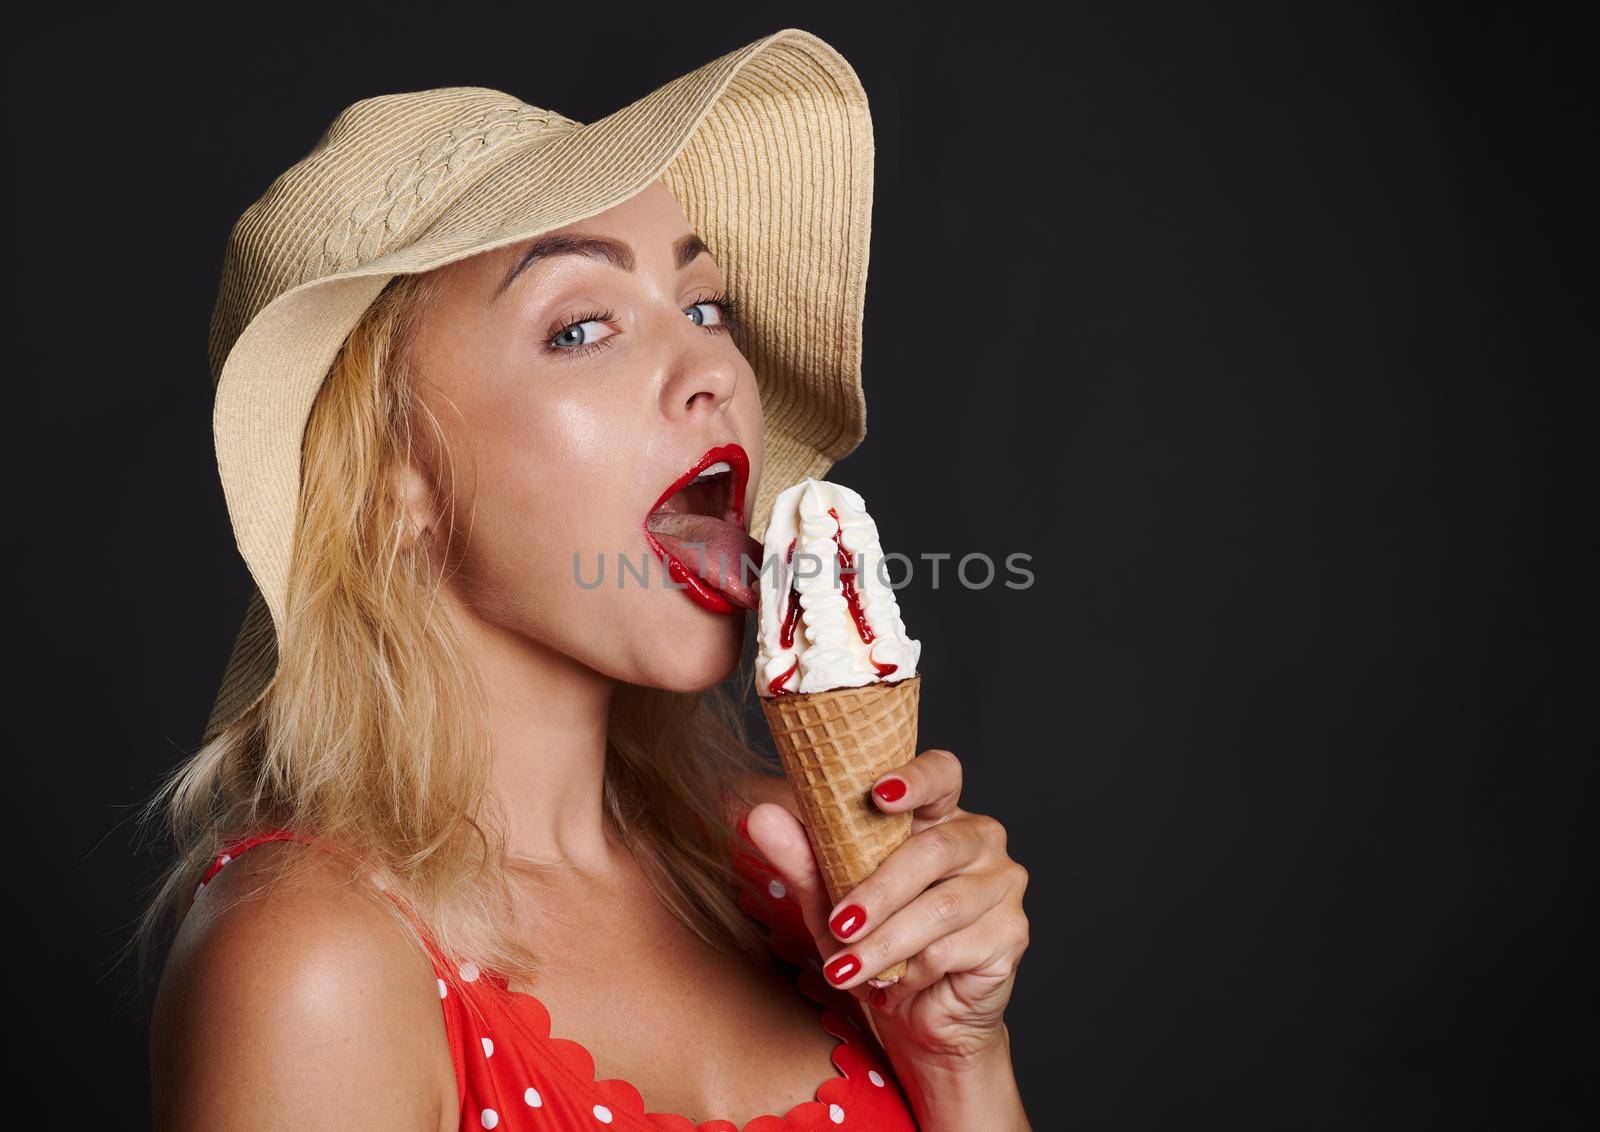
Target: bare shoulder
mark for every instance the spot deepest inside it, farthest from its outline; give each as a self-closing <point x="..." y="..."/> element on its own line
<point x="764" y="787"/>
<point x="286" y="998"/>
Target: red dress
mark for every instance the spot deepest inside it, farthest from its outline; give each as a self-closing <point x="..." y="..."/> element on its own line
<point x="512" y="1074"/>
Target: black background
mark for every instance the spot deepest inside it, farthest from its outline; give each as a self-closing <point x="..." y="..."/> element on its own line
<point x="1258" y="327"/>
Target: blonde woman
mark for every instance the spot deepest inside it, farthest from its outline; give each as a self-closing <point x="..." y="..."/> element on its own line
<point x="471" y="843"/>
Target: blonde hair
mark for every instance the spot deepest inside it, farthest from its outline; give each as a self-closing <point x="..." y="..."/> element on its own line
<point x="372" y="735"/>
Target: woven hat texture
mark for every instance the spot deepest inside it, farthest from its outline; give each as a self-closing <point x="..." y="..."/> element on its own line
<point x="769" y="150"/>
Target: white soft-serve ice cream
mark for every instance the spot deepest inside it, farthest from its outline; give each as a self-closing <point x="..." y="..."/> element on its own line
<point x="828" y="616"/>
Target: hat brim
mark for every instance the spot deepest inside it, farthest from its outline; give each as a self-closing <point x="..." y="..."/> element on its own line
<point x="769" y="149"/>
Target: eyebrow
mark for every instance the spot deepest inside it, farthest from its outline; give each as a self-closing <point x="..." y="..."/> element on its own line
<point x="602" y="248"/>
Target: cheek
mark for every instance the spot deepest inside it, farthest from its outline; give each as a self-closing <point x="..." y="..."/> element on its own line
<point x="576" y="430"/>
<point x="551" y="482"/>
<point x="746" y="414"/>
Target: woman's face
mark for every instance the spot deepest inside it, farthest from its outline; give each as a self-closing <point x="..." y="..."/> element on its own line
<point x="577" y="396"/>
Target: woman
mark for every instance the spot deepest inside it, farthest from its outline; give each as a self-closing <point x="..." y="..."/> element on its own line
<point x="449" y="793"/>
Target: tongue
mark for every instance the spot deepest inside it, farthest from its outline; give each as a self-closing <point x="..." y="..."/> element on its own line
<point x="711" y="549"/>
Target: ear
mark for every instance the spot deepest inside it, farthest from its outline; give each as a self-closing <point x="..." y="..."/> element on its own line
<point x="418" y="510"/>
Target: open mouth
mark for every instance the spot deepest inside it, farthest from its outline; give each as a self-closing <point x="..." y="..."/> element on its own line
<point x="697" y="530"/>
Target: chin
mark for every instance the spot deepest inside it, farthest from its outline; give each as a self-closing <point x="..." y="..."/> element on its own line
<point x="696" y="657"/>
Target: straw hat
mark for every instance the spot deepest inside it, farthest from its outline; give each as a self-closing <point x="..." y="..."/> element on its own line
<point x="769" y="150"/>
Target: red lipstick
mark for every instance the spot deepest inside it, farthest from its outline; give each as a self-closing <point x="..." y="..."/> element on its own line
<point x="698" y="591"/>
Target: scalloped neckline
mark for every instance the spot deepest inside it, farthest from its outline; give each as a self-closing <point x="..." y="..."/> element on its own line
<point x="645" y="1112"/>
<point x="805" y="968"/>
<point x="644" y="1115"/>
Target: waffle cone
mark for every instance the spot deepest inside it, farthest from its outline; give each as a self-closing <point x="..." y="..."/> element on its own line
<point x="834" y="746"/>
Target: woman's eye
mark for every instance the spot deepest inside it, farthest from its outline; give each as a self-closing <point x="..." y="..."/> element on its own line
<point x="578" y="334"/>
<point x="700" y="319"/>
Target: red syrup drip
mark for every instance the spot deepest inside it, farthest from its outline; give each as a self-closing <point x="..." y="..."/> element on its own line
<point x="791" y="615"/>
<point x="847" y="583"/>
<point x="791" y="618"/>
<point x="777" y="686"/>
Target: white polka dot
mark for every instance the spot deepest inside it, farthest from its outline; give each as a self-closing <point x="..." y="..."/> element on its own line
<point x="532" y="1098"/>
<point x="836" y="1114"/>
<point x="875" y="1077"/>
<point x="225" y="858"/>
<point x="602" y="1114"/>
<point x="443" y="990"/>
<point x="488" y="1048"/>
<point x="469" y="972"/>
<point x="776" y="888"/>
<point x="489" y="1117"/>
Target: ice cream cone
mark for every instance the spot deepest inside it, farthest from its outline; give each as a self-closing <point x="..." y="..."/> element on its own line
<point x="835" y="745"/>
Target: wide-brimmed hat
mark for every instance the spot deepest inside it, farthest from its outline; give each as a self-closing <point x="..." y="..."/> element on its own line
<point x="769" y="150"/>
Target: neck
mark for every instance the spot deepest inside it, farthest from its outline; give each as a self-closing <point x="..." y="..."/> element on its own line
<point x="547" y="717"/>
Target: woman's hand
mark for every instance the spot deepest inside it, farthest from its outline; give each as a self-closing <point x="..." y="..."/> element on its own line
<point x="949" y="900"/>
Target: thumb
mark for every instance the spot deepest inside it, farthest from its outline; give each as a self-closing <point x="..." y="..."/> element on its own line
<point x="782" y="840"/>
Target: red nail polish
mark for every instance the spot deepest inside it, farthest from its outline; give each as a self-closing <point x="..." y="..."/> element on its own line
<point x="842" y="968"/>
<point x="878" y="997"/>
<point x="848" y="921"/>
<point x="891" y="789"/>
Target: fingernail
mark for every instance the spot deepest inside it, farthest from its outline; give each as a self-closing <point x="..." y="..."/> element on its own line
<point x="848" y="921"/>
<point x="842" y="968"/>
<point x="878" y="997"/>
<point x="891" y="789"/>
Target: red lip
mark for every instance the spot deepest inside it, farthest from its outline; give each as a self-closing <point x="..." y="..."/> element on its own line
<point x="700" y="593"/>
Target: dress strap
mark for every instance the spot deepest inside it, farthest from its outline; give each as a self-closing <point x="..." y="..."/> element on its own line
<point x="233" y="848"/>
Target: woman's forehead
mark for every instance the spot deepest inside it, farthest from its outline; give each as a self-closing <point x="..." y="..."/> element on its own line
<point x="649" y="226"/>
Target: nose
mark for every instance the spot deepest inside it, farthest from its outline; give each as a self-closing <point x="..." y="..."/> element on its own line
<point x="702" y="374"/>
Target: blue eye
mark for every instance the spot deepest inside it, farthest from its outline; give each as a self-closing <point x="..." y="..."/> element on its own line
<point x="578" y="335"/>
<point x="697" y="314"/>
<point x="726" y="316"/>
